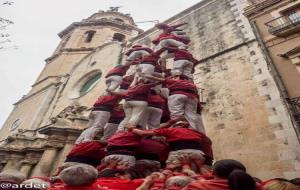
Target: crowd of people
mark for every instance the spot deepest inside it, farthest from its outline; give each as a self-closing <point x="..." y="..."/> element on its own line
<point x="146" y="132"/>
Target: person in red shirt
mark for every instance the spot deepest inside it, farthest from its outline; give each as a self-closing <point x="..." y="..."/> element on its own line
<point x="135" y="103"/>
<point x="153" y="115"/>
<point x="126" y="82"/>
<point x="183" y="98"/>
<point x="182" y="141"/>
<point x="228" y="174"/>
<point x="184" y="62"/>
<point x="166" y="40"/>
<point x="79" y="177"/>
<point x="87" y="153"/>
<point x="137" y="52"/>
<point x="122" y="147"/>
<point x="116" y="117"/>
<point x="114" y="77"/>
<point x="152" y="151"/>
<point x="99" y="116"/>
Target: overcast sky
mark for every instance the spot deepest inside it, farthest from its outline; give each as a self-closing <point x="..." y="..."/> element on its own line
<point x="35" y="29"/>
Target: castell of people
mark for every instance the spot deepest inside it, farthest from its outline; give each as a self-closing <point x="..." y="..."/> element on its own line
<point x="208" y="99"/>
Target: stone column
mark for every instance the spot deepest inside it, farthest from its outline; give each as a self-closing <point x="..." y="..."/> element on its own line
<point x="44" y="166"/>
<point x="2" y="166"/>
<point x="69" y="143"/>
<point x="25" y="168"/>
<point x="13" y="163"/>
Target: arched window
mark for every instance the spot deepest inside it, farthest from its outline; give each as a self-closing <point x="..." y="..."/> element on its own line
<point x="15" y="124"/>
<point x="118" y="37"/>
<point x="89" y="84"/>
<point x="89" y="36"/>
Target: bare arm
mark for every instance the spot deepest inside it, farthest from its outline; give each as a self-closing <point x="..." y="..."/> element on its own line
<point x="153" y="78"/>
<point x="116" y="93"/>
<point x="179" y="25"/>
<point x="146" y="184"/>
<point x="142" y="132"/>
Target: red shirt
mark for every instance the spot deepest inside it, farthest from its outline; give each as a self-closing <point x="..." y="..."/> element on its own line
<point x="152" y="58"/>
<point x="183" y="54"/>
<point x="184" y="87"/>
<point x="139" y="92"/>
<point x="126" y="82"/>
<point x="152" y="150"/>
<point x="119" y="70"/>
<point x="117" y="115"/>
<point x="156" y="101"/>
<point x="178" y="133"/>
<point x="107" y="101"/>
<point x="124" y="139"/>
<point x="181" y="134"/>
<point x="113" y="183"/>
<point x="92" y="149"/>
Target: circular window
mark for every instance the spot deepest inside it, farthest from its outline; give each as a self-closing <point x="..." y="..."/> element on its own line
<point x="91" y="83"/>
<point x="15" y="124"/>
<point x="85" y="84"/>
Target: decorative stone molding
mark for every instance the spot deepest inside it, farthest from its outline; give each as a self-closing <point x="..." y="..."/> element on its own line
<point x="100" y="22"/>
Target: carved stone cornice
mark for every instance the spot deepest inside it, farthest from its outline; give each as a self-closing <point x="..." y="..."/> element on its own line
<point x="100" y="22"/>
<point x="59" y="131"/>
<point x="258" y="7"/>
<point x="83" y="49"/>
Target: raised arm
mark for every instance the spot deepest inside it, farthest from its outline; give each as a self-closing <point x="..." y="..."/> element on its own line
<point x="141" y="132"/>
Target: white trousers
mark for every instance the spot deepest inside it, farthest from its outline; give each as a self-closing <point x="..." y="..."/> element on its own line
<point x="113" y="82"/>
<point x="142" y="68"/>
<point x="137" y="54"/>
<point x="183" y="66"/>
<point x="109" y="130"/>
<point x="98" y="119"/>
<point x="182" y="105"/>
<point x="134" y="111"/>
<point x="151" y="119"/>
<point x="168" y="43"/>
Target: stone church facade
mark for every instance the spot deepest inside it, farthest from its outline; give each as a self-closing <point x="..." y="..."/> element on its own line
<point x="244" y="114"/>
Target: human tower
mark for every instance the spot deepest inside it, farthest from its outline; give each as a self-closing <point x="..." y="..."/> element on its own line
<point x="146" y="132"/>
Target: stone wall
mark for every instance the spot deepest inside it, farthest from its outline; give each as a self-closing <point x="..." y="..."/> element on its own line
<point x="244" y="114"/>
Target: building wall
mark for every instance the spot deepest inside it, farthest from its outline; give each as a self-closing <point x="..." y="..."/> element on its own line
<point x="244" y="115"/>
<point x="277" y="46"/>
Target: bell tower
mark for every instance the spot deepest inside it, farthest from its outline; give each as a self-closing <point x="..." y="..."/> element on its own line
<point x="78" y="40"/>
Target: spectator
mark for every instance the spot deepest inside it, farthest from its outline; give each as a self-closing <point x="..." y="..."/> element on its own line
<point x="12" y="177"/>
<point x="78" y="175"/>
<point x="37" y="183"/>
<point x="279" y="184"/>
<point x="228" y="175"/>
